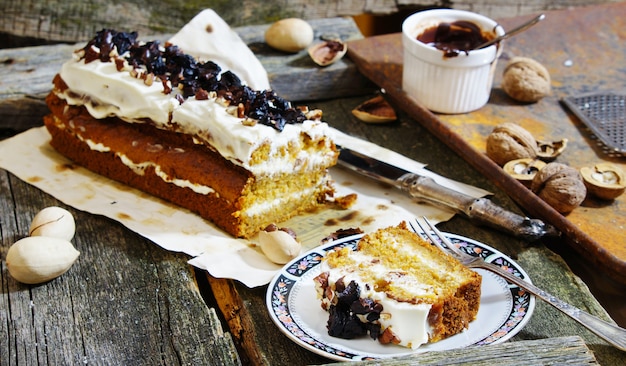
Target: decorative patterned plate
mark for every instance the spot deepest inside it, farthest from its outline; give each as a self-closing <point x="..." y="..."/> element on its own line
<point x="293" y="305"/>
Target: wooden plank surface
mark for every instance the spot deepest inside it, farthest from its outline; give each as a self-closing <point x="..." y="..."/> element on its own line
<point x="592" y="42"/>
<point x="296" y="77"/>
<point x="553" y="351"/>
<point x="74" y="20"/>
<point x="125" y="301"/>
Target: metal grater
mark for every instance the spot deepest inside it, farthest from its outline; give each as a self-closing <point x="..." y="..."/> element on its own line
<point x="604" y="115"/>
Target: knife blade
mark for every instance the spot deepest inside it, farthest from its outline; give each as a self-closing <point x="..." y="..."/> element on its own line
<point x="423" y="188"/>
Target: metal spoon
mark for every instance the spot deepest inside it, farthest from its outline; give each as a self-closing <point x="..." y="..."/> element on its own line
<point x="512" y="32"/>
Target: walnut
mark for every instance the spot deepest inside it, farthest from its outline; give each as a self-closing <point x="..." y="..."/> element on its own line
<point x="526" y="80"/>
<point x="510" y="141"/>
<point x="560" y="186"/>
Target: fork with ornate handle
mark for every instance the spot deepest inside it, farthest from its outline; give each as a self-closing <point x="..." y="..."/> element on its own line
<point x="611" y="333"/>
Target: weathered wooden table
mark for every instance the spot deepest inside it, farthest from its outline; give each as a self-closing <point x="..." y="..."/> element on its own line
<point x="127" y="301"/>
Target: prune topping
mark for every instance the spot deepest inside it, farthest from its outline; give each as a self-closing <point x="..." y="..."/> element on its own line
<point x="342" y="324"/>
<point x="349" y="295"/>
<point x="343" y="319"/>
<point x="178" y="71"/>
<point x="368" y="307"/>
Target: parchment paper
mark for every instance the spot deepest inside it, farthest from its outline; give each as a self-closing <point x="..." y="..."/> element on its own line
<point x="30" y="157"/>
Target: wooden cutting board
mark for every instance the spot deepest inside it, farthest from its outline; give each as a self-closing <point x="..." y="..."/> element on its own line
<point x="584" y="50"/>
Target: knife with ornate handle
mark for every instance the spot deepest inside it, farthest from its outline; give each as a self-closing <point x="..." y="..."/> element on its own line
<point x="426" y="189"/>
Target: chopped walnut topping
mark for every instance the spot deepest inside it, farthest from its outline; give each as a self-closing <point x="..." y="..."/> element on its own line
<point x="202" y="95"/>
<point x="241" y="110"/>
<point x="249" y="122"/>
<point x="314" y="115"/>
<point x="148" y="79"/>
<point x="178" y="70"/>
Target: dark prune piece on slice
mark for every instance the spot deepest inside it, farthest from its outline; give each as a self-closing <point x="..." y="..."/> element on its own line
<point x="367" y="307"/>
<point x="342" y="324"/>
<point x="373" y="329"/>
<point x="349" y="295"/>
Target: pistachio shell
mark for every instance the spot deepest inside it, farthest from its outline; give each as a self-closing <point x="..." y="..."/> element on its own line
<point x="38" y="259"/>
<point x="375" y="110"/>
<point x="54" y="222"/>
<point x="327" y="52"/>
<point x="279" y="246"/>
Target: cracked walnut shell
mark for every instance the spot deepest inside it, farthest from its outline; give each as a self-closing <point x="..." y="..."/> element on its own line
<point x="524" y="170"/>
<point x="604" y="180"/>
<point x="560" y="186"/>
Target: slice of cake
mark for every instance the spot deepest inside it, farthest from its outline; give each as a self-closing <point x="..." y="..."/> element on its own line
<point x="398" y="288"/>
<point x="154" y="118"/>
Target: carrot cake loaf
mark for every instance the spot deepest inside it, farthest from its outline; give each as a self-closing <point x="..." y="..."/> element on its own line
<point x="150" y="116"/>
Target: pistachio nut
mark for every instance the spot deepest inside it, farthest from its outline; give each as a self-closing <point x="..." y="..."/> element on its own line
<point x="54" y="222"/>
<point x="289" y="35"/>
<point x="37" y="259"/>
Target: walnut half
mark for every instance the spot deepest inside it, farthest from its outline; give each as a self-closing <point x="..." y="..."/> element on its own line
<point x="604" y="180"/>
<point x="524" y="170"/>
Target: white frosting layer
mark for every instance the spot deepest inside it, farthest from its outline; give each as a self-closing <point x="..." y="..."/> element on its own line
<point x="259" y="208"/>
<point x="409" y="322"/>
<point x="106" y="92"/>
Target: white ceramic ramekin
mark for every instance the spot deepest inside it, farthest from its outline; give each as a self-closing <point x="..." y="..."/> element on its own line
<point x="448" y="85"/>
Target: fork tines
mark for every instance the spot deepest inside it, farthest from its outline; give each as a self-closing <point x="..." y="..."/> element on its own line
<point x="428" y="231"/>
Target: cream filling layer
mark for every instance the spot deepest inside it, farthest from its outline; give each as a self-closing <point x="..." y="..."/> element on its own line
<point x="140" y="168"/>
<point x="107" y="92"/>
<point x="409" y="322"/>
